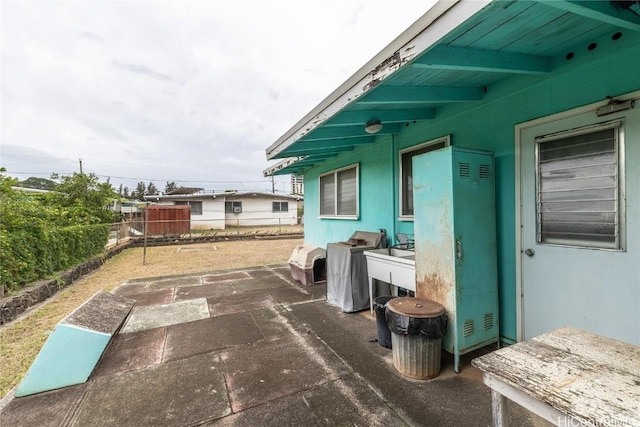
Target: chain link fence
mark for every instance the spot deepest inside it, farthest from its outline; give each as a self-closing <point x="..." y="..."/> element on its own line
<point x="136" y="227"/>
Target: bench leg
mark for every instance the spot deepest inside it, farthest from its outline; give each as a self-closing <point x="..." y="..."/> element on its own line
<point x="499" y="409"/>
<point x="371" y="295"/>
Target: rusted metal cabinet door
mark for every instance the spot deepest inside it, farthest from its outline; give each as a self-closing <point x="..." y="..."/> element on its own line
<point x="455" y="243"/>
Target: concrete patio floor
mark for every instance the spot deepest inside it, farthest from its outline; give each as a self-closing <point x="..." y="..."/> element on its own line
<point x="253" y="348"/>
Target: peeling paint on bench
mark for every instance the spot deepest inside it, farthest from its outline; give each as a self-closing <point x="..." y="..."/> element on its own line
<point x="577" y="375"/>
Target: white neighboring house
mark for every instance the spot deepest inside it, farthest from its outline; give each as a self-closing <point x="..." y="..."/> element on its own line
<point x="255" y="208"/>
<point x="218" y="210"/>
<point x="207" y="209"/>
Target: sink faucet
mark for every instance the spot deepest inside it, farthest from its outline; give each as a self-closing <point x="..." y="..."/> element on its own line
<point x="404" y="242"/>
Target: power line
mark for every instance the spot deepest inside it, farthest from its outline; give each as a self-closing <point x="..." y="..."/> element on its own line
<point x="266" y="180"/>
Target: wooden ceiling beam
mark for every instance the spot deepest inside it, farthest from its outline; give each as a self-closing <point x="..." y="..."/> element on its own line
<point x="385" y="95"/>
<point x="603" y="11"/>
<point x="469" y="59"/>
<point x="360" y="117"/>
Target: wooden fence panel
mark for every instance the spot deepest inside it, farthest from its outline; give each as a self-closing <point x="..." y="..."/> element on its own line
<point x="168" y="220"/>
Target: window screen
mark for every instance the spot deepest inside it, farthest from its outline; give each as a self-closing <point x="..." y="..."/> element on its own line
<point x="347" y="192"/>
<point x="280" y="207"/>
<point x="327" y="195"/>
<point x="339" y="193"/>
<point x="578" y="189"/>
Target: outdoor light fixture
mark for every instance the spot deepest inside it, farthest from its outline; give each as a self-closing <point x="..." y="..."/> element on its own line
<point x="373" y="126"/>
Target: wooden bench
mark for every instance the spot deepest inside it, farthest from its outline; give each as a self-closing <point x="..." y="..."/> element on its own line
<point x="569" y="377"/>
<point x="74" y="347"/>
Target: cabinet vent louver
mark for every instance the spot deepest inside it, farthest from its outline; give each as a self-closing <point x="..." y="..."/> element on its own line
<point x="488" y="321"/>
<point x="467" y="328"/>
<point x="484" y="171"/>
<point x="463" y="169"/>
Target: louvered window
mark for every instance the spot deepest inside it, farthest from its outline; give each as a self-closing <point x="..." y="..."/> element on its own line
<point x="578" y="188"/>
<point x="339" y="193"/>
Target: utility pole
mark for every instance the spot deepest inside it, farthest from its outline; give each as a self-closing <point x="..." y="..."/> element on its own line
<point x="80" y="160"/>
<point x="273" y="185"/>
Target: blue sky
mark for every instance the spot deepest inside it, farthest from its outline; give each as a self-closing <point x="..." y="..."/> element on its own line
<point x="185" y="91"/>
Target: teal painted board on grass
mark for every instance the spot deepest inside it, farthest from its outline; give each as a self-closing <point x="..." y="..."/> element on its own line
<point x="67" y="358"/>
<point x="74" y="347"/>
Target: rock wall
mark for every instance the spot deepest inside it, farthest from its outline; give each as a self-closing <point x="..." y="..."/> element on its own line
<point x="13" y="306"/>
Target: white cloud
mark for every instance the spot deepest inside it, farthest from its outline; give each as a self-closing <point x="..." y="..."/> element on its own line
<point x="175" y="90"/>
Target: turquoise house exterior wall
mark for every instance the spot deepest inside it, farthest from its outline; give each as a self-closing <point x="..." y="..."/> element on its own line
<point x="610" y="70"/>
<point x="376" y="197"/>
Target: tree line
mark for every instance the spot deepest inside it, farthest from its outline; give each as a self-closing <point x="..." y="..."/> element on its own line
<point x="142" y="189"/>
<point x="43" y="233"/>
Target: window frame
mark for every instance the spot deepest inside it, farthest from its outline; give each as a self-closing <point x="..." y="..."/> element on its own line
<point x="620" y="239"/>
<point x="230" y="204"/>
<point x="280" y="210"/>
<point x="335" y="174"/>
<point x="446" y="140"/>
<point x="190" y="204"/>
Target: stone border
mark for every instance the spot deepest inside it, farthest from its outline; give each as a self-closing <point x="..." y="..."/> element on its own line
<point x="138" y="242"/>
<point x="37" y="292"/>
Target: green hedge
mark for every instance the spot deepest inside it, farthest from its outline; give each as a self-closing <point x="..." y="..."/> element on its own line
<point x="38" y="252"/>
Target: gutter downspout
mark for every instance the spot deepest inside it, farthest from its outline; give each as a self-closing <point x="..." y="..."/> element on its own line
<point x="394" y="187"/>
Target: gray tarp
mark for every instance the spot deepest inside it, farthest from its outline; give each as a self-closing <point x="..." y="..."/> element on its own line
<point x="347" y="279"/>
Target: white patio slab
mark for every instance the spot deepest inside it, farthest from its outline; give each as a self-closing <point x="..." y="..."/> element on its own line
<point x="148" y="317"/>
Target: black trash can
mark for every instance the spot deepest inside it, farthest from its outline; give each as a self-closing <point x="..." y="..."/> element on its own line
<point x="417" y="326"/>
<point x="384" y="334"/>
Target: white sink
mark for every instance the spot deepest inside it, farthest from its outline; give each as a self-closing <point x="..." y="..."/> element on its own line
<point x="387" y="253"/>
<point x="394" y="266"/>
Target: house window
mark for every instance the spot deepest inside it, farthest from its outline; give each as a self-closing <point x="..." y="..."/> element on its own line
<point x="196" y="207"/>
<point x="339" y="193"/>
<point x="233" y="207"/>
<point x="406" y="172"/>
<point x="579" y="196"/>
<point x="280" y="207"/>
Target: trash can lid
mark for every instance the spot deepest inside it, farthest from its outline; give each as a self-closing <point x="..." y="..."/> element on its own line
<point x="415" y="307"/>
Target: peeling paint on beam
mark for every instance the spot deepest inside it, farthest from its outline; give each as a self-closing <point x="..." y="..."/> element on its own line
<point x="424" y="33"/>
<point x="281" y="165"/>
<point x="387" y="68"/>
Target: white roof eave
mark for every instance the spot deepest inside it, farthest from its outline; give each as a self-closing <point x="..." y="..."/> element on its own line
<point x="431" y="27"/>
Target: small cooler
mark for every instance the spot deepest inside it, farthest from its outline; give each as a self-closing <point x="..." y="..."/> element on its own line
<point x="308" y="264"/>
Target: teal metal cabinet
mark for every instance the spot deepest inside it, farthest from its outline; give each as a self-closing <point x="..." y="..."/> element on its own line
<point x="455" y="243"/>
